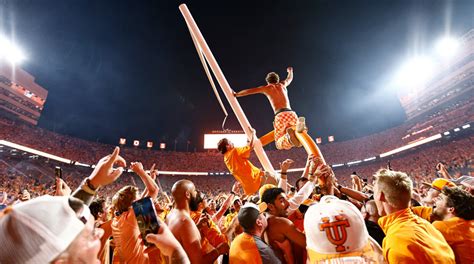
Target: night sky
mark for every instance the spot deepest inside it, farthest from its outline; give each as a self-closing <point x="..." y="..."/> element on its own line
<point x="129" y="68"/>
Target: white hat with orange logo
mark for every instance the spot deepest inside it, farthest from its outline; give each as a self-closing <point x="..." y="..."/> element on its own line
<point x="335" y="229"/>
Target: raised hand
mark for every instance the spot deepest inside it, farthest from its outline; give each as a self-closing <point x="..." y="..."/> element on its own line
<point x="137" y="167"/>
<point x="153" y="172"/>
<point x="62" y="189"/>
<point x="289" y="69"/>
<point x="236" y="187"/>
<point x="104" y="172"/>
<point x="286" y="164"/>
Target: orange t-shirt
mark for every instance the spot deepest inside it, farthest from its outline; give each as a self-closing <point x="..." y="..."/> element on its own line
<point x="129" y="247"/>
<point x="459" y="234"/>
<point x="104" y="247"/>
<point x="237" y="161"/>
<point x="411" y="239"/>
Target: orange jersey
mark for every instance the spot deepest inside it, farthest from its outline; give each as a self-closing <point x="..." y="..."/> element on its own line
<point x="129" y="246"/>
<point x="249" y="176"/>
<point x="459" y="234"/>
<point x="411" y="239"/>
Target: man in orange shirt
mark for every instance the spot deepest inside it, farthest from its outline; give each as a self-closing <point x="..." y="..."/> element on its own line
<point x="456" y="209"/>
<point x="129" y="247"/>
<point x="249" y="246"/>
<point x="237" y="161"/>
<point x="409" y="238"/>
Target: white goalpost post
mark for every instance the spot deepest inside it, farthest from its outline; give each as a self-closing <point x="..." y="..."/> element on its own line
<point x="206" y="56"/>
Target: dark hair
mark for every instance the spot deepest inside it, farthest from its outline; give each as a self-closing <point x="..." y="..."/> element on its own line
<point x="301" y="179"/>
<point x="271" y="194"/>
<point x="461" y="201"/>
<point x="96" y="207"/>
<point x="272" y="77"/>
<point x="222" y="145"/>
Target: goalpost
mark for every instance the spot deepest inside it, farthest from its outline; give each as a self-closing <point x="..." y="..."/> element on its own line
<point x="207" y="58"/>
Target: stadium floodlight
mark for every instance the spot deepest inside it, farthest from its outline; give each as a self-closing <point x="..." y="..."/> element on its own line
<point x="447" y="47"/>
<point x="457" y="129"/>
<point x="10" y="52"/>
<point x="466" y="126"/>
<point x="415" y="71"/>
<point x="446" y="133"/>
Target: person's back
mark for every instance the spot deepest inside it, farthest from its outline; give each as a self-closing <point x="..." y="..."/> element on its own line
<point x="277" y="94"/>
<point x="129" y="246"/>
<point x="246" y="248"/>
<point x="237" y="161"/>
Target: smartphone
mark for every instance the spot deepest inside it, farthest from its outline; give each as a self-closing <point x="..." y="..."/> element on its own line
<point x="147" y="220"/>
<point x="58" y="172"/>
<point x="389" y="165"/>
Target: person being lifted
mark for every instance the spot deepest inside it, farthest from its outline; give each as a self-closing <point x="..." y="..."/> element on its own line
<point x="285" y="117"/>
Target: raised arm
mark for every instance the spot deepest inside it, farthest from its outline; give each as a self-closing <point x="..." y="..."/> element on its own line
<point x="284" y="166"/>
<point x="150" y="185"/>
<point x="289" y="78"/>
<point x="235" y="189"/>
<point x="104" y="173"/>
<point x="257" y="90"/>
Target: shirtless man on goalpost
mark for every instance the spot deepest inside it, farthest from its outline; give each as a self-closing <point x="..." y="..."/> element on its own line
<point x="285" y="118"/>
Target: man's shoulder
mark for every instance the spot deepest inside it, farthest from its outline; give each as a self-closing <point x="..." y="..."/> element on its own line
<point x="279" y="222"/>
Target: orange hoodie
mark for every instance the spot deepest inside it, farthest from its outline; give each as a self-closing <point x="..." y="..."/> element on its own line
<point x="411" y="239"/>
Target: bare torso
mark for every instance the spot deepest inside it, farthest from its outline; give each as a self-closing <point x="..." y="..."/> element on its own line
<point x="274" y="234"/>
<point x="176" y="221"/>
<point x="277" y="94"/>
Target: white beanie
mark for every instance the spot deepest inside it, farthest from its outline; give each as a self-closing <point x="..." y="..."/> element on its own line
<point x="38" y="230"/>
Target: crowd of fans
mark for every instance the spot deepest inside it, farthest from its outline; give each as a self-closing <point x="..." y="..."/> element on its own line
<point x="321" y="215"/>
<point x="337" y="152"/>
<point x="417" y="207"/>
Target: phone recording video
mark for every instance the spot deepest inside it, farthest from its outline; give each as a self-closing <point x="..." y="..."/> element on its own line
<point x="146" y="217"/>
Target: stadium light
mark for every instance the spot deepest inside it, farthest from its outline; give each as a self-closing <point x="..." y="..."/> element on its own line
<point x="415" y="71"/>
<point x="10" y="52"/>
<point x="447" y="47"/>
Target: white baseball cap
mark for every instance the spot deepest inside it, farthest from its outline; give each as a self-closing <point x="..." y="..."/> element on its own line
<point x="38" y="230"/>
<point x="335" y="229"/>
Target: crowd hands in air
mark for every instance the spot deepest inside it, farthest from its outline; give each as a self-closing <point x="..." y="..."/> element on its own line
<point x="317" y="217"/>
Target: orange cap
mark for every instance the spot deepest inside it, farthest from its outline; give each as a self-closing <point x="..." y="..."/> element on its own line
<point x="440" y="183"/>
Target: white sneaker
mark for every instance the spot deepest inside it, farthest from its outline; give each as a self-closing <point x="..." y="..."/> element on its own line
<point x="290" y="133"/>
<point x="301" y="124"/>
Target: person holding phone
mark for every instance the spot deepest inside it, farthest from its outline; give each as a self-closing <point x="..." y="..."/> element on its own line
<point x="129" y="245"/>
